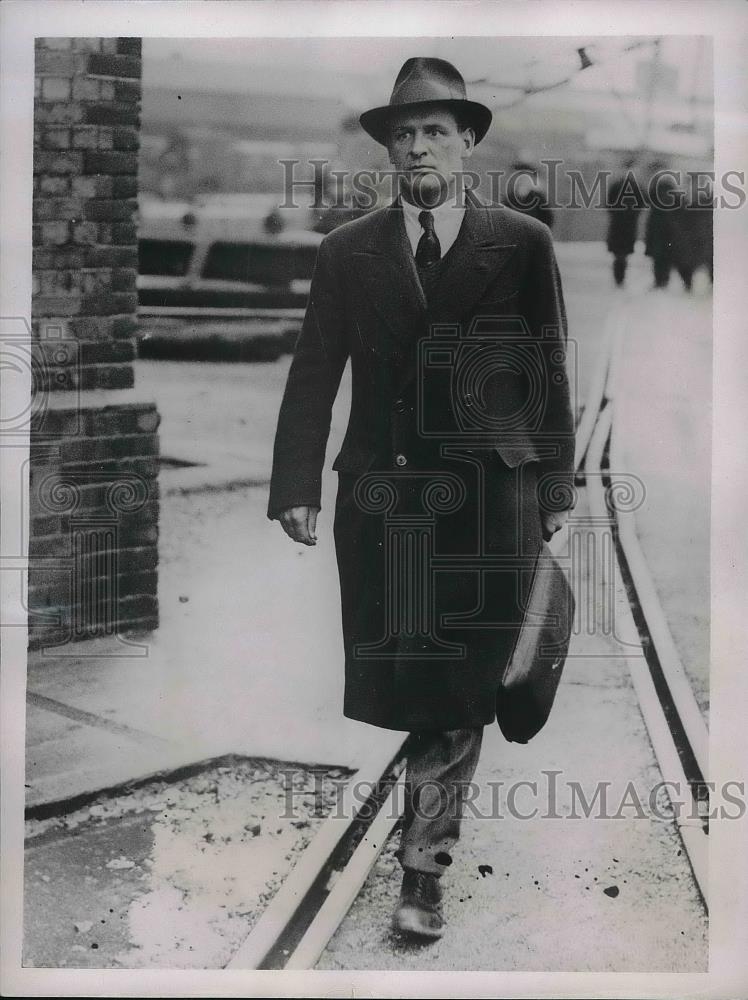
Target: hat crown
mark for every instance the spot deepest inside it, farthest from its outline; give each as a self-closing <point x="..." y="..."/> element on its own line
<point x="426" y="79"/>
<point x="423" y="80"/>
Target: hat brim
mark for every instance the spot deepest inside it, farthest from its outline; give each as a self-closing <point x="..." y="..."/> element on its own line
<point x="476" y="116"/>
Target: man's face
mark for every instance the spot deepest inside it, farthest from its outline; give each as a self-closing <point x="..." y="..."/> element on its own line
<point x="427" y="148"/>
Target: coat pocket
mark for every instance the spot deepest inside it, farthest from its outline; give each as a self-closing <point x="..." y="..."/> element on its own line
<point x="352" y="459"/>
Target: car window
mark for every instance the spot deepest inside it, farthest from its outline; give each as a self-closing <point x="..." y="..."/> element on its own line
<point x="169" y="258"/>
<point x="259" y="263"/>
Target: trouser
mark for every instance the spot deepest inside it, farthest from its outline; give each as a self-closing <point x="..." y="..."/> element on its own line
<point x="686" y="274"/>
<point x="440" y="766"/>
<point x="620" y="262"/>
<point x="661" y="267"/>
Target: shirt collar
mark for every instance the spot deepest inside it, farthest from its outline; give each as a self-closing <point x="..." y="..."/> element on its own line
<point x="442" y="213"/>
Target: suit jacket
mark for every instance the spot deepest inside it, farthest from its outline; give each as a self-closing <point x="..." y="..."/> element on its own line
<point x="366" y="303"/>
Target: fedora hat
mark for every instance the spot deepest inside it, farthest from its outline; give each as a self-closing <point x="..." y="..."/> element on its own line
<point x="424" y="81"/>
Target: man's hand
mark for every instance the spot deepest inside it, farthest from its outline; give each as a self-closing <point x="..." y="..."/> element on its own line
<point x="552" y="521"/>
<point x="300" y="524"/>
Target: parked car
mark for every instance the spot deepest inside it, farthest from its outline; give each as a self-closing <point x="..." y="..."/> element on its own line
<point x="202" y="270"/>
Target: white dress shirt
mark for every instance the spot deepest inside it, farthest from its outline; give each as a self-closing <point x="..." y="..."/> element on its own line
<point x="447" y="221"/>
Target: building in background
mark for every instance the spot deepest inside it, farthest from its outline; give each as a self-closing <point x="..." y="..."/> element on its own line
<point x="238" y="109"/>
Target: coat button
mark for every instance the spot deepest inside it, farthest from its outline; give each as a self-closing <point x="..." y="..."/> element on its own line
<point x="468" y="399"/>
<point x="401" y="460"/>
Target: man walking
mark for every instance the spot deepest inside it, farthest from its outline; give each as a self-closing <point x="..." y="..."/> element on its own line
<point x="458" y="456"/>
<point x="625" y="205"/>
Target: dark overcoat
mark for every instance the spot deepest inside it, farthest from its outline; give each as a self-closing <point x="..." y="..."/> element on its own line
<point x="460" y="431"/>
<point x="623" y="220"/>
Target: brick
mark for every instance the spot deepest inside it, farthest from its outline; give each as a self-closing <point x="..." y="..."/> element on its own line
<point x="55" y="43"/>
<point x="48" y="525"/>
<point x="119" y="257"/>
<point x="43" y="257"/>
<point x="57" y="63"/>
<point x="93" y="186"/>
<point x="56" y="88"/>
<point x="86" y="494"/>
<point x="105" y="232"/>
<point x="61" y="163"/>
<point x="51" y="233"/>
<point x="57" y="422"/>
<point x="107" y="90"/>
<point x="55" y="305"/>
<point x="124" y="232"/>
<point x="135" y="608"/>
<point x="137" y="560"/>
<point x="108" y="377"/>
<point x="95" y="162"/>
<point x="109" y="45"/>
<point x="95" y="449"/>
<point x="125" y="138"/>
<point x="148" y="467"/>
<point x="91" y="327"/>
<point x="37" y="87"/>
<point x="87" y="44"/>
<point x="85" y="137"/>
<point x="85" y="89"/>
<point x="60" y="591"/>
<point x="108" y="303"/>
<point x="48" y="546"/>
<point x="56" y="138"/>
<point x="130" y="46"/>
<point x="107" y="352"/>
<point x="107" y="210"/>
<point x="124" y="326"/>
<point x="114" y="66"/>
<point x="62" y="282"/>
<point x="124" y="187"/>
<point x="96" y="280"/>
<point x="84" y="232"/>
<point x="149" y="422"/>
<point x="128" y="91"/>
<point x="112" y="113"/>
<point x="54" y="185"/>
<point x="124" y="279"/>
<point x="60" y="113"/>
<point x="45" y="209"/>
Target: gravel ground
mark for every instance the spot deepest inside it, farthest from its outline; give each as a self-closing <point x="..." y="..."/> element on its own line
<point x="169" y="875"/>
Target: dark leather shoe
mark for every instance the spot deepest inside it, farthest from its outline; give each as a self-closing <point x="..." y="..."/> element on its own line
<point x="419" y="910"/>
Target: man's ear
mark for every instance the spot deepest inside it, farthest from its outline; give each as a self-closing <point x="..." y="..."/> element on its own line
<point x="468" y="137"/>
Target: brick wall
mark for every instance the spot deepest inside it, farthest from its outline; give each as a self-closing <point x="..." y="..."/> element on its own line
<point x="93" y="478"/>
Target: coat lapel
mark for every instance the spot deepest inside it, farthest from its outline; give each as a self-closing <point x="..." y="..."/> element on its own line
<point x="387" y="273"/>
<point x="475" y="261"/>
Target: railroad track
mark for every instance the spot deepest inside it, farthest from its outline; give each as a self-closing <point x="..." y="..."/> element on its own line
<point x="304" y="914"/>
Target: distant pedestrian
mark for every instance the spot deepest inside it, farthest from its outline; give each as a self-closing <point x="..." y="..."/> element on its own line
<point x="679" y="230"/>
<point x="525" y="193"/>
<point x="691" y="235"/>
<point x="663" y="197"/>
<point x="625" y="204"/>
